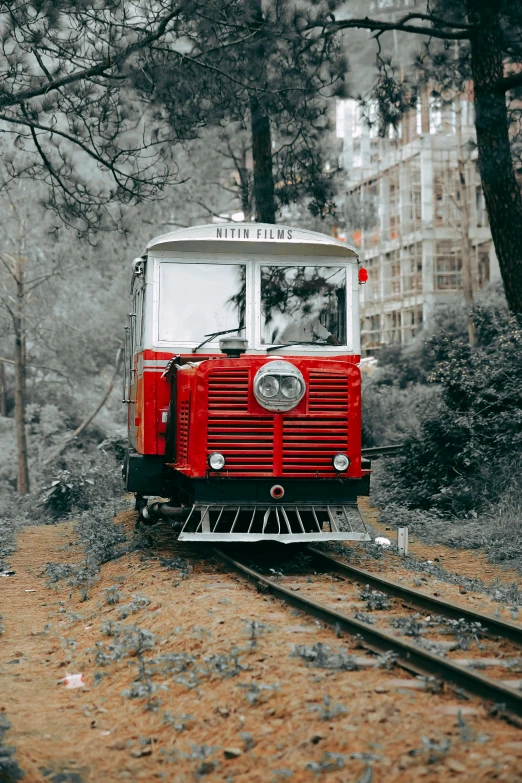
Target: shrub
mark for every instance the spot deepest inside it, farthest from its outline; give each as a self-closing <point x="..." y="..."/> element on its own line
<point x="138" y="603"/>
<point x="324" y="657"/>
<point x="79" y="482"/>
<point x="58" y="571"/>
<point x="100" y="536"/>
<point x="390" y="413"/>
<point x="10" y="772"/>
<point x="375" y="600"/>
<point x="467" y="451"/>
<point x="66" y="492"/>
<point x="327" y="710"/>
<point x="329" y="762"/>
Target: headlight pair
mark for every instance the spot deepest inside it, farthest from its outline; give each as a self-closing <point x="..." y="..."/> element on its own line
<point x="216" y="461"/>
<point x="279" y="386"/>
<point x="270" y="385"/>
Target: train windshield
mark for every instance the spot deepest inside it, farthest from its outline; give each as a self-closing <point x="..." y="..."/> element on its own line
<point x="303" y="304"/>
<point x="198" y="299"/>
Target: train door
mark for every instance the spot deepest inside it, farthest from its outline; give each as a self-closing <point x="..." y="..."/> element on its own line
<point x="134" y="346"/>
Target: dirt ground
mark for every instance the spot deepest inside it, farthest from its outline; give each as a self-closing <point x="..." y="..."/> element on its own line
<point x="203" y="683"/>
<point x="471" y="564"/>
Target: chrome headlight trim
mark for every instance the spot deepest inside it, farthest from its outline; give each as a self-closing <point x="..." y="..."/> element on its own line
<point x="264" y="381"/>
<point x="281" y="371"/>
<point x="218" y="459"/>
<point x="291" y="387"/>
<point x="341" y="462"/>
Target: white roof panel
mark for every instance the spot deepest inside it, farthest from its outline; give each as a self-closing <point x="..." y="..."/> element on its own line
<point x="251" y="238"/>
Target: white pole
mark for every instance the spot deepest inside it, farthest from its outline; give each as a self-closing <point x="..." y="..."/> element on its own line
<point x="402" y="540"/>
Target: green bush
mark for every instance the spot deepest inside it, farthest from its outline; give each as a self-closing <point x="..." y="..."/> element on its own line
<point x="399" y="393"/>
<point x="467" y="450"/>
<point x="100" y="536"/>
<point x="390" y="413"/>
<point x="79" y="481"/>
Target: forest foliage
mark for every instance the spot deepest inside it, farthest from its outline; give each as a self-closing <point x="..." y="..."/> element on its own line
<point x="458" y="409"/>
<point x="458" y="413"/>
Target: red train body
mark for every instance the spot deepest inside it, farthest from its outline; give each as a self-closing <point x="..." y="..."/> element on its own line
<point x="260" y="438"/>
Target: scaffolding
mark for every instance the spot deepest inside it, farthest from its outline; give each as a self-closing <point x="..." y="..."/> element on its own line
<point x="404" y="211"/>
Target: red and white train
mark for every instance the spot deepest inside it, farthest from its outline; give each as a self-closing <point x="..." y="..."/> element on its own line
<point x="243" y="384"/>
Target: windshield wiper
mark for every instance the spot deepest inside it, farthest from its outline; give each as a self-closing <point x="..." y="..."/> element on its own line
<point x="217" y="334"/>
<point x="296" y="342"/>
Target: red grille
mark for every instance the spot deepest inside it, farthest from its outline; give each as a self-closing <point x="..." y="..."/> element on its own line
<point x="247" y="443"/>
<point x="183" y="433"/>
<point x="310" y="444"/>
<point x="328" y="393"/>
<point x="228" y="391"/>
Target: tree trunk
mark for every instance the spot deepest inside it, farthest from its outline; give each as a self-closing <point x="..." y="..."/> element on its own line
<point x="264" y="197"/>
<point x="262" y="156"/>
<point x="20" y="378"/>
<point x="466" y="247"/>
<point x="501" y="189"/>
<point x="3" y="391"/>
<point x="245" y="183"/>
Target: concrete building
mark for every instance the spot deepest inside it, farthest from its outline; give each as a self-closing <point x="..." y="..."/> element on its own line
<point x="403" y="208"/>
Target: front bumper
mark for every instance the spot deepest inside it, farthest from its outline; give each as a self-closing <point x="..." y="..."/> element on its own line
<point x="285" y="523"/>
<point x="245" y="491"/>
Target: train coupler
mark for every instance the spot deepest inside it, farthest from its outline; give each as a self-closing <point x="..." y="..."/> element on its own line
<point x="159" y="512"/>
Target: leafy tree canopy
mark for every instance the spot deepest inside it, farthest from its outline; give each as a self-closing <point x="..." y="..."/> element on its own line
<point x="99" y="93"/>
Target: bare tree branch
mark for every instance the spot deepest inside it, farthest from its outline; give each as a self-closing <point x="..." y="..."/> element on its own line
<point x="510" y="82"/>
<point x="85" y="423"/>
<point x="439" y="28"/>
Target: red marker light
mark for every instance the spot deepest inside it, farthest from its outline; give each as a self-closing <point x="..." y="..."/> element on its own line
<point x="277" y="491"/>
<point x="363" y="275"/>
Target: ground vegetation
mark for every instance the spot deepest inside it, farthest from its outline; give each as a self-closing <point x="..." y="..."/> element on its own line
<point x="219" y="694"/>
<point x="458" y="417"/>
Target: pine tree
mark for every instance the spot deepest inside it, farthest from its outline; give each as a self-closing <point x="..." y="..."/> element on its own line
<point x="248" y="64"/>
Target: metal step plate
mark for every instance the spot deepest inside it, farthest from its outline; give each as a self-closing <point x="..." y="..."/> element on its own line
<point x="275" y="522"/>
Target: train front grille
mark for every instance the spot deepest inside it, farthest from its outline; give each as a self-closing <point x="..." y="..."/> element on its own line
<point x="328" y="393"/>
<point x="246" y="442"/>
<point x="306" y="443"/>
<point x="309" y="445"/>
<point x="228" y="390"/>
<point x="285" y="523"/>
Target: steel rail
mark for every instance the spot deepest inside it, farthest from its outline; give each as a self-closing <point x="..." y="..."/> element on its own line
<point x="410" y="657"/>
<point x="381" y="451"/>
<point x="503" y="628"/>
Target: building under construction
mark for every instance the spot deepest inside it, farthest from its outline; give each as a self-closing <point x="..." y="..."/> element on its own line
<point x="419" y="230"/>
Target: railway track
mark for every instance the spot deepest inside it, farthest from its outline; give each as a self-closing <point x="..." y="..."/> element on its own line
<point x="506" y="695"/>
<point x="373" y="452"/>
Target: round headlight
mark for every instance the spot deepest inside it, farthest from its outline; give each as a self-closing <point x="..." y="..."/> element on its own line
<point x="341" y="462"/>
<point x="291" y="387"/>
<point x="268" y="386"/>
<point x="216" y="461"/>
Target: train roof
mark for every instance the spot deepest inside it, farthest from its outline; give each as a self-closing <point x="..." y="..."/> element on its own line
<point x="251" y="238"/>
